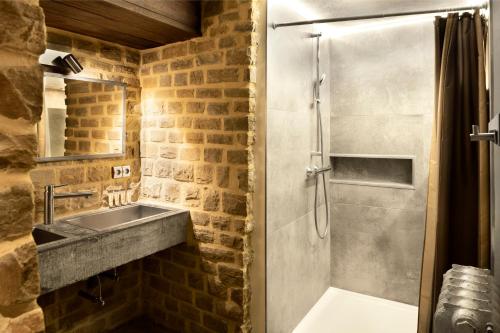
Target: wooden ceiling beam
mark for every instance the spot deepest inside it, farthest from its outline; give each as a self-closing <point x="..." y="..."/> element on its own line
<point x="136" y="23"/>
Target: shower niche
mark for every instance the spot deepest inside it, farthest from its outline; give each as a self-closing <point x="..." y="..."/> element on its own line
<point x="373" y="170"/>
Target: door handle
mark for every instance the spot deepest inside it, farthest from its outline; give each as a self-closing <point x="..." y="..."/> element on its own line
<point x="488" y="136"/>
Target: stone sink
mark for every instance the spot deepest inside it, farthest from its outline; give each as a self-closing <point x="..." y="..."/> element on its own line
<point x="76" y="248"/>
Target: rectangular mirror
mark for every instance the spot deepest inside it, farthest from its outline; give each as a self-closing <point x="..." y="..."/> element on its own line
<point x="82" y="119"/>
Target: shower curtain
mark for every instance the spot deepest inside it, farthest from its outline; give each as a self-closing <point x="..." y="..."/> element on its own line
<point x="457" y="220"/>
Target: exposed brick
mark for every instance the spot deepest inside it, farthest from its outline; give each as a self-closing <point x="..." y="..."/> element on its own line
<point x="237" y="57"/>
<point x="173" y="272"/>
<point x="203" y="301"/>
<point x="237" y="156"/>
<point x="222" y="176"/>
<point x="132" y="57"/>
<point x="175" y="107"/>
<point x="185" y="93"/>
<point x="194" y="137"/>
<point x="174" y="50"/>
<point x="244" y="27"/>
<point x="181" y="79"/>
<point x="218" y="108"/>
<point x="163" y="168"/>
<point x="216" y="254"/>
<point x="199" y="218"/>
<point x="59" y="40"/>
<point x="190" y="154"/>
<point x="196" y="78"/>
<point x="111" y="52"/>
<point x="195" y="107"/>
<point x="168" y="152"/>
<point x="221" y="222"/>
<point x="211" y="201"/>
<point x="183" y="172"/>
<point x="211" y="8"/>
<point x="204" y="174"/>
<point x="208" y="93"/>
<point x="160" y="68"/>
<point x="237" y="92"/>
<point x="201" y="46"/>
<point x="209" y="58"/>
<point x="182" y="293"/>
<point x="214" y="323"/>
<point x="234" y="204"/>
<point x="150" y="57"/>
<point x="223" y="75"/>
<point x="207" y="123"/>
<point x="190" y="312"/>
<point x="230" y="275"/>
<point x="220" y="139"/>
<point x="226" y="42"/>
<point x="236" y="124"/>
<point x="204" y="235"/>
<point x="233" y="241"/>
<point x="213" y="155"/>
<point x="165" y="80"/>
<point x="181" y="64"/>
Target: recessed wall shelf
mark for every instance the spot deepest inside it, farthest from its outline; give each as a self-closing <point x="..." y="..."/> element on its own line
<point x="395" y="171"/>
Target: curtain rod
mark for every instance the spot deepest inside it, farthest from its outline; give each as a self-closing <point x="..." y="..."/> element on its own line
<point x="369" y="17"/>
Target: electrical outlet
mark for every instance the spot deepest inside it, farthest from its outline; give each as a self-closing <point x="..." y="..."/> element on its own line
<point x="126" y="171"/>
<point x="117" y="172"/>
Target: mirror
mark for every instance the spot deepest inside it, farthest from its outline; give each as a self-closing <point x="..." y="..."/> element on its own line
<point x="82" y="119"/>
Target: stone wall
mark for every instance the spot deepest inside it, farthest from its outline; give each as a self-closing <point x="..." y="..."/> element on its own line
<point x="198" y="101"/>
<point x="22" y="41"/>
<point x="95" y="118"/>
<point x="64" y="310"/>
<point x="107" y="61"/>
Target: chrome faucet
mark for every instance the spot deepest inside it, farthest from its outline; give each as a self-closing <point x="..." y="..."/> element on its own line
<point x="50" y="196"/>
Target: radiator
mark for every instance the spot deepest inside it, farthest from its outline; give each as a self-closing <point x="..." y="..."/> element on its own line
<point x="465" y="304"/>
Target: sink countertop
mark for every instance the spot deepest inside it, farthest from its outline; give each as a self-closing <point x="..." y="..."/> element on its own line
<point x="74" y="233"/>
<point x="86" y="252"/>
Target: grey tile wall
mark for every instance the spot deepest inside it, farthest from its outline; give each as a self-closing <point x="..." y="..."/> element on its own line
<point x="298" y="262"/>
<point x="382" y="103"/>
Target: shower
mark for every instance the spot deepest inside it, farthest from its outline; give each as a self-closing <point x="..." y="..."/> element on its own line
<point x="320" y="171"/>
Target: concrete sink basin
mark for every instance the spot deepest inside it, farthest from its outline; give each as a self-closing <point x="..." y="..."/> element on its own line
<point x="115" y="217"/>
<point x="43" y="237"/>
<point x="75" y="248"/>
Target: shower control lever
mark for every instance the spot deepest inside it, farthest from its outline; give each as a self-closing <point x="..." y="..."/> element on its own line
<point x="316" y="170"/>
<point x="476" y="136"/>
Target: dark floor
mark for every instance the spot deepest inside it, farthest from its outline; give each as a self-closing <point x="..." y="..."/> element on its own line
<point x="139" y="325"/>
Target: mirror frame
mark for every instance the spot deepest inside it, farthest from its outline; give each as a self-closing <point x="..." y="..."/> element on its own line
<point x="90" y="156"/>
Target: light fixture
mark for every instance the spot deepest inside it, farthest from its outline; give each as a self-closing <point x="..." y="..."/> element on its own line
<point x="64" y="61"/>
<point x="70" y="62"/>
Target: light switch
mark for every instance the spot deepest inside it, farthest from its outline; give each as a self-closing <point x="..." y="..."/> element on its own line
<point x="117" y="172"/>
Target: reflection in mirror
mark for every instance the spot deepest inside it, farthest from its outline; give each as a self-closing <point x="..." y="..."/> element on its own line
<point x="81" y="119"/>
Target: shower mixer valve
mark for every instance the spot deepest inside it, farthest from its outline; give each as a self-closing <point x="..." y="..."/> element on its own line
<point x="317" y="170"/>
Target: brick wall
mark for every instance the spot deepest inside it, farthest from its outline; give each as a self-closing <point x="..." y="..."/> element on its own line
<point x="198" y="101"/>
<point x="64" y="310"/>
<point x="23" y="40"/>
<point x="105" y="61"/>
<point x="95" y="118"/>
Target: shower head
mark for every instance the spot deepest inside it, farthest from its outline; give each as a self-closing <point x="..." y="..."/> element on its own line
<point x="323" y="76"/>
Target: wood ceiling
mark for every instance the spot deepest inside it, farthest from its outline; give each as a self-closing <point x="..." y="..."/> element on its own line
<point x="139" y="24"/>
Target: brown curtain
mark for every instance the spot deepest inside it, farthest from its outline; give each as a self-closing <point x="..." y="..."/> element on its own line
<point x="457" y="221"/>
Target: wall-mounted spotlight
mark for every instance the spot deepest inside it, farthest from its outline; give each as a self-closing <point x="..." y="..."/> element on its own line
<point x="63" y="61"/>
<point x="72" y="63"/>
